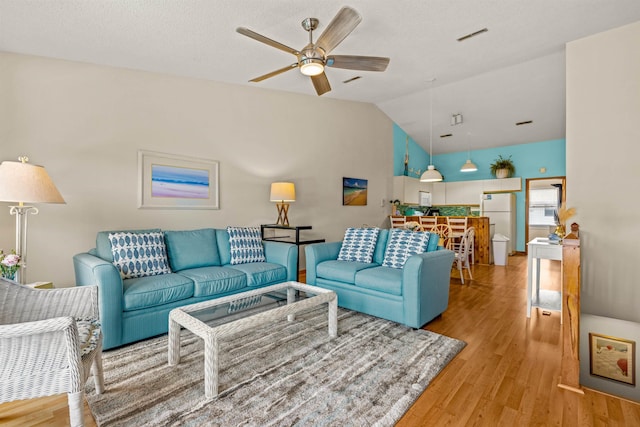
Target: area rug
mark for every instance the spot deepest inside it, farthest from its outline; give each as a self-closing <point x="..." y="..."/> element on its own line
<point x="280" y="374"/>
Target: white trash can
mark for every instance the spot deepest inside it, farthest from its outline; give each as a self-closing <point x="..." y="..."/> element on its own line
<point x="500" y="249"/>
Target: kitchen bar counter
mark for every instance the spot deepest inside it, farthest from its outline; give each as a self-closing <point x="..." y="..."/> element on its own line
<point x="481" y="224"/>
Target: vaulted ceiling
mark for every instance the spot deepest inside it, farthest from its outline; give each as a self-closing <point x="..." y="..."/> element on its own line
<point x="513" y="72"/>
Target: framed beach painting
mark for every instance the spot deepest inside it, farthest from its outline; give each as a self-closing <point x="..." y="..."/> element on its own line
<point x="354" y="192"/>
<point x="612" y="358"/>
<point x="169" y="181"/>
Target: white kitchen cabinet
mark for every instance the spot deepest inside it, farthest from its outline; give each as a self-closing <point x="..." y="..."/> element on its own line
<point x="438" y="195"/>
<point x="463" y="192"/>
<point x="406" y="189"/>
<point x="505" y="184"/>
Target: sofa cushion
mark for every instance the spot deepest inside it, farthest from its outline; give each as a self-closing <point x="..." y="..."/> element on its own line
<point x="402" y="244"/>
<point x="434" y="240"/>
<point x="209" y="281"/>
<point x="383" y="279"/>
<point x="246" y="245"/>
<point x="144" y="292"/>
<point x="341" y="271"/>
<point x="358" y="244"/>
<point x="139" y="254"/>
<point x="88" y="334"/>
<point x="192" y="248"/>
<point x="381" y="246"/>
<point x="262" y="273"/>
<point x="103" y="244"/>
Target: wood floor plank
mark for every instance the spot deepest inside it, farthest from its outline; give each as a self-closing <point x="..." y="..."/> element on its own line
<point x="507" y="374"/>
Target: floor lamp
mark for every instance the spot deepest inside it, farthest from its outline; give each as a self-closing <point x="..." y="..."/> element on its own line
<point x="21" y="182"/>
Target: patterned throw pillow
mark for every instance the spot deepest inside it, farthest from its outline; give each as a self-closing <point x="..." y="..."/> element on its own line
<point x="402" y="244"/>
<point x="246" y="245"/>
<point x="139" y="254"/>
<point x="358" y="244"/>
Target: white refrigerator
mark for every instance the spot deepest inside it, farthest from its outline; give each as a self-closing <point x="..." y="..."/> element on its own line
<point x="501" y="210"/>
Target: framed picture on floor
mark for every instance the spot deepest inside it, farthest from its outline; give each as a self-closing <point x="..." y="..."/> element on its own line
<point x="169" y="181"/>
<point x="612" y="358"/>
<point x="354" y="192"/>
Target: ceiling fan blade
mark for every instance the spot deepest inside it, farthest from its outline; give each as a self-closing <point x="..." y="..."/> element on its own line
<point x="266" y="40"/>
<point x="321" y="83"/>
<point x="355" y="62"/>
<point x="275" y="73"/>
<point x="340" y="27"/>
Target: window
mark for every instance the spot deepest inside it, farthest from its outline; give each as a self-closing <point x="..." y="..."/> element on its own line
<point x="543" y="203"/>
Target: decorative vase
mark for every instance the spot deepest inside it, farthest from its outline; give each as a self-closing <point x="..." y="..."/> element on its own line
<point x="502" y="173"/>
<point x="560" y="231"/>
<point x="9" y="275"/>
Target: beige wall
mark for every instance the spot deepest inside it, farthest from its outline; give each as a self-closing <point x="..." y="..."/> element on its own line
<point x="85" y="124"/>
<point x="603" y="133"/>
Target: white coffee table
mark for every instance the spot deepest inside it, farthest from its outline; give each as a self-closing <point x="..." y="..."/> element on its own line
<point x="191" y="317"/>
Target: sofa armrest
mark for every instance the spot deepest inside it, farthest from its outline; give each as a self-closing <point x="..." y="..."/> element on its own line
<point x="317" y="253"/>
<point x="284" y="254"/>
<point x="425" y="286"/>
<point x="91" y="270"/>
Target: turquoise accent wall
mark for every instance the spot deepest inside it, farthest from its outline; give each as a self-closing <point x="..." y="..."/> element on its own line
<point x="418" y="158"/>
<point x="528" y="158"/>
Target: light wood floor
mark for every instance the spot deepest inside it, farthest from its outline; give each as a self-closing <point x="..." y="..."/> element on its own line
<point x="507" y="374"/>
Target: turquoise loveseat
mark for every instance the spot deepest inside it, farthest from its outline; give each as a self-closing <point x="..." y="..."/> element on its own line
<point x="132" y="309"/>
<point x="412" y="295"/>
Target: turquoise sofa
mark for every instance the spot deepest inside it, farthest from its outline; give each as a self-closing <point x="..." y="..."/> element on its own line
<point x="412" y="295"/>
<point x="133" y="309"/>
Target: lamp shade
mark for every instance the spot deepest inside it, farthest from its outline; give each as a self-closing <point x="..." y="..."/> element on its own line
<point x="283" y="192"/>
<point x="22" y="182"/>
<point x="431" y="175"/>
<point x="469" y="166"/>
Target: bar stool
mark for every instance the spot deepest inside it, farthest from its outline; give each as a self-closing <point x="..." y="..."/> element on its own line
<point x="428" y="222"/>
<point x="398" y="221"/>
<point x="458" y="228"/>
<point x="463" y="253"/>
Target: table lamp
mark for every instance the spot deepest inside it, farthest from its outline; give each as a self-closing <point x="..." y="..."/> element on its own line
<point x="21" y="182"/>
<point x="283" y="192"/>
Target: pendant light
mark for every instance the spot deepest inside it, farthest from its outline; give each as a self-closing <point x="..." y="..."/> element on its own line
<point x="469" y="166"/>
<point x="431" y="174"/>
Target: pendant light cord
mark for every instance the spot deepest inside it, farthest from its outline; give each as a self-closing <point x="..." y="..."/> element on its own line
<point x="431" y="124"/>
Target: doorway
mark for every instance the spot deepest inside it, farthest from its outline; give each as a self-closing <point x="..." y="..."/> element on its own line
<point x="543" y="197"/>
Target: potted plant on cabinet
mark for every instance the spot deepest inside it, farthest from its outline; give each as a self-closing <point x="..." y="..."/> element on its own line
<point x="503" y="168"/>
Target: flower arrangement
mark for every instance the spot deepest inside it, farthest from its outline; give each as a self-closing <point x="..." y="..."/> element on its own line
<point x="9" y="264"/>
<point x="413" y="226"/>
<point x="561" y="216"/>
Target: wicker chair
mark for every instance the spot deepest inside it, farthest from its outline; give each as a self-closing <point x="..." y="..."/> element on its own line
<point x="50" y="340"/>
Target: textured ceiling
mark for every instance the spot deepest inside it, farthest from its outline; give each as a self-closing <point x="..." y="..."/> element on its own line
<point x="514" y="72"/>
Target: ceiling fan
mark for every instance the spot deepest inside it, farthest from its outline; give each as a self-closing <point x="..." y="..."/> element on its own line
<point x="314" y="57"/>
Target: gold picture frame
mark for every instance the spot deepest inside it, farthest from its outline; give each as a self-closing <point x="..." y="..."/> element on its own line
<point x="612" y="358"/>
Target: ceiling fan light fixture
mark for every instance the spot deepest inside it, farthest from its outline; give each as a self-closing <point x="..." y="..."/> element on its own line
<point x="311" y="66"/>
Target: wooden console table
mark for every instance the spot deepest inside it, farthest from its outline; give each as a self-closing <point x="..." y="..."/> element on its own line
<point x="570" y="364"/>
<point x="290" y="239"/>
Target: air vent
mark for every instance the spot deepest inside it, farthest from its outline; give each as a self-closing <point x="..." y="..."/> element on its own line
<point x="446" y="135"/>
<point x="527" y="122"/>
<point x="475" y="33"/>
<point x="352" y="79"/>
